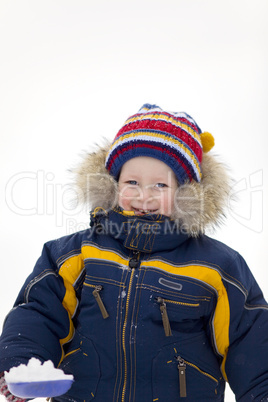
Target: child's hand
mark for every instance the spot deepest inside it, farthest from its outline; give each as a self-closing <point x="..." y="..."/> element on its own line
<point x="4" y="391"/>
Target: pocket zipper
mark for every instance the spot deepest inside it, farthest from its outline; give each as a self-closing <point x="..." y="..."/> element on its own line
<point x="182" y="303"/>
<point x="164" y="315"/>
<point x="182" y="364"/>
<point x="34" y="281"/>
<point x="182" y="376"/>
<point x="96" y="294"/>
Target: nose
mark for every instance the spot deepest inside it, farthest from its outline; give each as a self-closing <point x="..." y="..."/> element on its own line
<point x="146" y="195"/>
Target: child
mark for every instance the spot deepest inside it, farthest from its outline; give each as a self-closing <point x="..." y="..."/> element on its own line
<point x="143" y="306"/>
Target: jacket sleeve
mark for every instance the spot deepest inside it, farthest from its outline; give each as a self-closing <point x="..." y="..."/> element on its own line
<point x="247" y="357"/>
<point x="40" y="322"/>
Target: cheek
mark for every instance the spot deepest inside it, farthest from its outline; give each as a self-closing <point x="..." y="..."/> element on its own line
<point x="126" y="195"/>
<point x="123" y="203"/>
<point x="167" y="203"/>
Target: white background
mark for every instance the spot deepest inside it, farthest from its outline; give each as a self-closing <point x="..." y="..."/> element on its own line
<point x="71" y="72"/>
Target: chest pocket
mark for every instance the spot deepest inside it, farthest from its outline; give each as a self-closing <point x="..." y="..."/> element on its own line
<point x="175" y="313"/>
<point x="179" y="304"/>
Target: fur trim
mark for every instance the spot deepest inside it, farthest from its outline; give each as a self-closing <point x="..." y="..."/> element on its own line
<point x="201" y="206"/>
<point x="95" y="187"/>
<point x="198" y="206"/>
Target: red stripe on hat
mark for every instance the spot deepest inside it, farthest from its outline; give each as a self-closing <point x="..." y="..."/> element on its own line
<point x="165" y="127"/>
<point x="159" y="112"/>
<point x="184" y="137"/>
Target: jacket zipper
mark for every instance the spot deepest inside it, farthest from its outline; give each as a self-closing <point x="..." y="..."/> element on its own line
<point x="133" y="264"/>
<point x="164" y="314"/>
<point x="96" y="294"/>
<point x="182" y="364"/>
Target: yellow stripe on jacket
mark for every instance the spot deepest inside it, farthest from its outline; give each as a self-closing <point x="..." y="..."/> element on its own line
<point x="70" y="271"/>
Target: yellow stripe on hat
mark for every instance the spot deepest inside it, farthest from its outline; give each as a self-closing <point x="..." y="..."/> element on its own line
<point x="169" y="119"/>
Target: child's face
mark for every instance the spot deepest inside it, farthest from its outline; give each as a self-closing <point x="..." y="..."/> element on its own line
<point x="147" y="185"/>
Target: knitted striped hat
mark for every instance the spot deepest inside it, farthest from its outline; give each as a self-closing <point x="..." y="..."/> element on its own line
<point x="173" y="138"/>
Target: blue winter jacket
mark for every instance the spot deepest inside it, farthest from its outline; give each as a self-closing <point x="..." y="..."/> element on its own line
<point x="139" y="312"/>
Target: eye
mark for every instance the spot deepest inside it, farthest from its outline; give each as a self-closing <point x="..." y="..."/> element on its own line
<point x="132" y="182"/>
<point x="161" y="185"/>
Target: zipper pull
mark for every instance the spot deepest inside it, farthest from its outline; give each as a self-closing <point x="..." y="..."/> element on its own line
<point x="134" y="261"/>
<point x="96" y="294"/>
<point x="164" y="314"/>
<point x="182" y="376"/>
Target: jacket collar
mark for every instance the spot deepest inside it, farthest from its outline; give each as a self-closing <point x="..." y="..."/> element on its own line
<point x="148" y="233"/>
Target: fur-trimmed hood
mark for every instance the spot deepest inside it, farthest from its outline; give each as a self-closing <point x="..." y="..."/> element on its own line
<point x="198" y="206"/>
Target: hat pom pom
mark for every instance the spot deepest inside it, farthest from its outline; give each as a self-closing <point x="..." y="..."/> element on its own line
<point x="207" y="141"/>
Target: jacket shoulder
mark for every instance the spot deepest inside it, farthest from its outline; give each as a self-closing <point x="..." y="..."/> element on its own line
<point x="66" y="247"/>
<point x="227" y="261"/>
<point x="219" y="250"/>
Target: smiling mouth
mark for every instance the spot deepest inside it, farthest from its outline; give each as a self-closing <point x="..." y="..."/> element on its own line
<point x="144" y="211"/>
